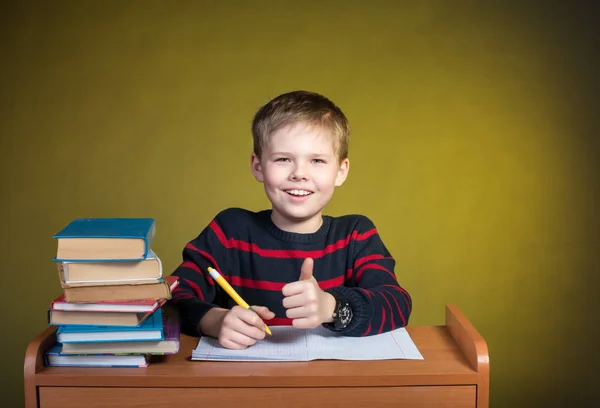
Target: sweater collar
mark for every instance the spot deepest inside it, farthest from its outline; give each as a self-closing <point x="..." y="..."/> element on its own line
<point x="296" y="237"/>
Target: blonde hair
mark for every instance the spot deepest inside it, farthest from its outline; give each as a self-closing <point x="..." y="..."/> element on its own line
<point x="305" y="107"/>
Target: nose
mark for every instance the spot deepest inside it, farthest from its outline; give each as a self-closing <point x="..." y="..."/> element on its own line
<point x="298" y="173"/>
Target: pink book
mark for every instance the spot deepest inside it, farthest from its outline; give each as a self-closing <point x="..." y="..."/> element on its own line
<point x="136" y="306"/>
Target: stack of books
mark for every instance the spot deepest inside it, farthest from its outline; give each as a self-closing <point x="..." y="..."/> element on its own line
<point x="112" y="310"/>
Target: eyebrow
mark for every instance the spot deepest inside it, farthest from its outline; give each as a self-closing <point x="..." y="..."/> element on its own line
<point x="309" y="155"/>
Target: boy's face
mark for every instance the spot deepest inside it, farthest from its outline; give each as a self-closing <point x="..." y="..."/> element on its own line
<point x="300" y="170"/>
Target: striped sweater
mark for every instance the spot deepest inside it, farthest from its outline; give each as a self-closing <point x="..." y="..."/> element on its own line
<point x="258" y="259"/>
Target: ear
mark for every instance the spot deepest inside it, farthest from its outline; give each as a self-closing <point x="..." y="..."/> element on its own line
<point x="256" y="168"/>
<point x="342" y="172"/>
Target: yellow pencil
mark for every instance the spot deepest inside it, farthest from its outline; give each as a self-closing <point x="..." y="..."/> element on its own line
<point x="230" y="291"/>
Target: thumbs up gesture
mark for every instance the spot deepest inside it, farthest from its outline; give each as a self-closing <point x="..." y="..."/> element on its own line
<point x="307" y="305"/>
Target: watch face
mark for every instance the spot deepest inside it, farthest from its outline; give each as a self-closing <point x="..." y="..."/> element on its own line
<point x="344" y="315"/>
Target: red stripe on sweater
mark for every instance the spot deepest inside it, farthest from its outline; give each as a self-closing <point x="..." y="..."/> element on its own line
<point x="407" y="298"/>
<point x="364" y="259"/>
<point x="400" y="311"/>
<point x="278" y="253"/>
<point x="254" y="284"/>
<point x="278" y="286"/>
<point x="348" y="275"/>
<point x="208" y="257"/>
<point x="331" y="283"/>
<point x="371" y="266"/>
<point x="390" y="306"/>
<point x="279" y="321"/>
<point x="194" y="287"/>
<point x="361" y="237"/>
<point x="179" y="293"/>
<point x="193" y="266"/>
<point x="404" y="294"/>
<point x="367" y="292"/>
<point x="383" y="316"/>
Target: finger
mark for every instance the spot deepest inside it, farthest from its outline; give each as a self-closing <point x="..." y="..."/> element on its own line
<point x="252" y="324"/>
<point x="228" y="344"/>
<point x="306" y="272"/>
<point x="294" y="301"/>
<point x="263" y="312"/>
<point x="293" y="288"/>
<point x="298" y="312"/>
<point x="241" y="328"/>
<point x="240" y="339"/>
<point x="226" y="341"/>
<point x="246" y="322"/>
<point x="305" y="323"/>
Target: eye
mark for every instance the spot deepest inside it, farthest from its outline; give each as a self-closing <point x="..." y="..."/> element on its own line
<point x="320" y="161"/>
<point x="282" y="159"/>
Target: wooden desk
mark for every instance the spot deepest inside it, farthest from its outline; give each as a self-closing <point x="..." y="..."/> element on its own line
<point x="454" y="373"/>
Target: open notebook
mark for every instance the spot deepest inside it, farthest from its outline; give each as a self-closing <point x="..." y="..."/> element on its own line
<point x="290" y="344"/>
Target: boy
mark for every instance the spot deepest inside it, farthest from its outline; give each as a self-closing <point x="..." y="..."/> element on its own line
<point x="294" y="264"/>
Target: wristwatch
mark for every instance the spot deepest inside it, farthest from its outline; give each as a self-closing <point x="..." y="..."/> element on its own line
<point x="342" y="314"/>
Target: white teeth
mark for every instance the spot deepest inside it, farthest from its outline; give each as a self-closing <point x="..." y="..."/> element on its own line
<point x="298" y="192"/>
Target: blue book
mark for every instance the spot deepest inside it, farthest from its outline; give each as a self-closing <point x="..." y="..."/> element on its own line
<point x="54" y="358"/>
<point x="150" y="330"/>
<point x="105" y="240"/>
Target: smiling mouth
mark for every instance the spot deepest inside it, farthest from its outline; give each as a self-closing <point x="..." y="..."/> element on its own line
<point x="298" y="193"/>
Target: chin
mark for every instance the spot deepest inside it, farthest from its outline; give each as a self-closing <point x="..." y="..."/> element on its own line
<point x="298" y="216"/>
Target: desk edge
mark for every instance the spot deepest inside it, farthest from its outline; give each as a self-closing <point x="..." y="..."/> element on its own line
<point x="34" y="363"/>
<point x="474" y="348"/>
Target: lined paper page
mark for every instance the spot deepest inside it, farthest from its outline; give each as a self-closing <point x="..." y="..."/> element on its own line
<point x="283" y="345"/>
<point x="397" y="344"/>
<point x="290" y="344"/>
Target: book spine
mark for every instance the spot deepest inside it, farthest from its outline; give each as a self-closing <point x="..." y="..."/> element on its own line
<point x="171" y="326"/>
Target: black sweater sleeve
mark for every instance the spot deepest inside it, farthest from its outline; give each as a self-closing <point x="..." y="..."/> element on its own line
<point x="379" y="304"/>
<point x="197" y="292"/>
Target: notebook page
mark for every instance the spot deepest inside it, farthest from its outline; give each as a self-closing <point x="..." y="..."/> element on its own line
<point x="325" y="344"/>
<point x="290" y="344"/>
<point x="285" y="344"/>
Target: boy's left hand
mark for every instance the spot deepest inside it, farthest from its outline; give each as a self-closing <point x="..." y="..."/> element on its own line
<point x="307" y="305"/>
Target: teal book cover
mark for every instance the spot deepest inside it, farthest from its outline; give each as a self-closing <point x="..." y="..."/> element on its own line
<point x="150" y="330"/>
<point x="105" y="240"/>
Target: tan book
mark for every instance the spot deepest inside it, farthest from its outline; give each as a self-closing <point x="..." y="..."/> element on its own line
<point x="161" y="289"/>
<point x="72" y="274"/>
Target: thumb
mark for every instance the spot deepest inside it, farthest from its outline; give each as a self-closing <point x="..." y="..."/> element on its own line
<point x="306" y="272"/>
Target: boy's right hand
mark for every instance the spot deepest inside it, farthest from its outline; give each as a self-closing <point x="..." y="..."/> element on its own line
<point x="242" y="327"/>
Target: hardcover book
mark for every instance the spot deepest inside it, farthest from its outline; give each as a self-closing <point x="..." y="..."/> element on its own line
<point x="161" y="289"/>
<point x="169" y="345"/>
<point x="105" y="239"/>
<point x="73" y="274"/>
<point x="126" y="306"/>
<point x="54" y="358"/>
<point x="150" y="329"/>
<point x="64" y="318"/>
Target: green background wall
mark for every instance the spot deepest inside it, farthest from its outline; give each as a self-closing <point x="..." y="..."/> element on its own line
<point x="474" y="151"/>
